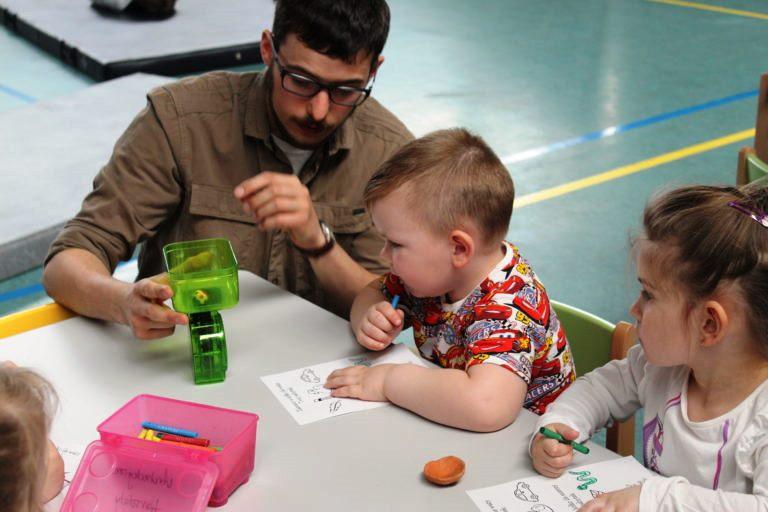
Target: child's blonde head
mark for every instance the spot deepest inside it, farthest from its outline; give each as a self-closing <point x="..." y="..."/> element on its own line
<point x="27" y="402"/>
<point x="701" y="243"/>
<point x="453" y="177"/>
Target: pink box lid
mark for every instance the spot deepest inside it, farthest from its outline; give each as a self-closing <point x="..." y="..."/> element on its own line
<point x="120" y="477"/>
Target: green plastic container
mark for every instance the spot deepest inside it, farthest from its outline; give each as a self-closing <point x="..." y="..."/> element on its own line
<point x="209" y="347"/>
<point x="203" y="275"/>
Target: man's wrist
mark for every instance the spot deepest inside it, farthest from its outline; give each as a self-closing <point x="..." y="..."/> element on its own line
<point x="325" y="242"/>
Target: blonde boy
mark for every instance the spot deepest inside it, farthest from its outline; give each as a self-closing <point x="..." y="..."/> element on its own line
<point x="443" y="203"/>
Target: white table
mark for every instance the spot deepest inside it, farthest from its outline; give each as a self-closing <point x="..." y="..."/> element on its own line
<point x="363" y="461"/>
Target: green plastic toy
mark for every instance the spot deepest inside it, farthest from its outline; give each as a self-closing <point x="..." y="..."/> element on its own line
<point x="203" y="276"/>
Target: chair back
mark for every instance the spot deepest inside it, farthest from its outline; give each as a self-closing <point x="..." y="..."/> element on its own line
<point x="588" y="335"/>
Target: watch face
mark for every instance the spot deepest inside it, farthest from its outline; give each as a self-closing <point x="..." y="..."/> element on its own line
<point x="327" y="233"/>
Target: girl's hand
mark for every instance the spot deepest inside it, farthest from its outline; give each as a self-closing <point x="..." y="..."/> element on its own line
<point x="381" y="325"/>
<point x="626" y="500"/>
<point x="550" y="456"/>
<point x="363" y="382"/>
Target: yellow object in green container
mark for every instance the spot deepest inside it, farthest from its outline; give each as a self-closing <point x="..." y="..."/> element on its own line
<point x="202" y="274"/>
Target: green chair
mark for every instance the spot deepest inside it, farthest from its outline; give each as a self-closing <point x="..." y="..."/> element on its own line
<point x="751" y="167"/>
<point x="594" y="342"/>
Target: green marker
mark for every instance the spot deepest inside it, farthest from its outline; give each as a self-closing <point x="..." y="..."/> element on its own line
<point x="554" y="435"/>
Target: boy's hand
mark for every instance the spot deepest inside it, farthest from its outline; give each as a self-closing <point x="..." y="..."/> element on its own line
<point x="363" y="382"/>
<point x="625" y="500"/>
<point x="381" y="325"/>
<point x="550" y="456"/>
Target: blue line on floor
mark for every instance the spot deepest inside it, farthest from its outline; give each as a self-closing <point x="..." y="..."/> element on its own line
<point x="16" y="94"/>
<point x="21" y="292"/>
<point x="613" y="130"/>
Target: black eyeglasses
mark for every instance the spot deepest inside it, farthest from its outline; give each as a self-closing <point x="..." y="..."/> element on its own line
<point x="307" y="87"/>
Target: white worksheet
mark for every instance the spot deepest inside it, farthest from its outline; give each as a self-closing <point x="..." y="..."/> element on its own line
<point x="302" y="393"/>
<point x="564" y="494"/>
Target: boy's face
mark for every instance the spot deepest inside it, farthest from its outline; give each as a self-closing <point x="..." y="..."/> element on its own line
<point x="421" y="258"/>
<point x="309" y="121"/>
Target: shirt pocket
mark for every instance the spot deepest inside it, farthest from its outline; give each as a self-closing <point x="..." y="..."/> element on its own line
<point x="218" y="202"/>
<point x="215" y="213"/>
<point x="343" y="219"/>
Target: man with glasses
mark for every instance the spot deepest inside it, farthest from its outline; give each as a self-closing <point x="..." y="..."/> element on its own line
<point x="275" y="161"/>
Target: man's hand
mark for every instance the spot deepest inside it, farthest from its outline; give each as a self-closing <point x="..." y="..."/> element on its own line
<point x="144" y="312"/>
<point x="363" y="382"/>
<point x="550" y="456"/>
<point x="625" y="500"/>
<point x="281" y="201"/>
<point x="380" y="326"/>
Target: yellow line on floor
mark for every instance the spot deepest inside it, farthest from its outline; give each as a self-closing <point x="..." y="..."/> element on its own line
<point x="714" y="8"/>
<point x="626" y="170"/>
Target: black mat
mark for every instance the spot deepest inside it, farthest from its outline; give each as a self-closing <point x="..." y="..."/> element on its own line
<point x="200" y="36"/>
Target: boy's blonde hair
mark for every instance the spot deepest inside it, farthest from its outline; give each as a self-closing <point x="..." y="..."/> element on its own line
<point x="452" y="177"/>
<point x="27" y="402"/>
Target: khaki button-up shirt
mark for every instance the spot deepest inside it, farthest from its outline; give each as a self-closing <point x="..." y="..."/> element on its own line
<point x="172" y="175"/>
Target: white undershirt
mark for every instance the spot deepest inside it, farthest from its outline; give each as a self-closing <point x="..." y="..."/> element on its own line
<point x="297" y="156"/>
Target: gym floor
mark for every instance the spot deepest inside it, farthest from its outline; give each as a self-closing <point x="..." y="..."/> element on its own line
<point x="593" y="105"/>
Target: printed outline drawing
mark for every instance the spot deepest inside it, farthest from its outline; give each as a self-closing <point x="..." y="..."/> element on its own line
<point x="523" y="492"/>
<point x="309" y="375"/>
<point x="596" y="493"/>
<point x="541" y="508"/>
<point x="317" y="390"/>
<point x="334" y="406"/>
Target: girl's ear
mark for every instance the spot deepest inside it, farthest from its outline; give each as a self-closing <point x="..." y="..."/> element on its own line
<point x="714" y="323"/>
<point x="462" y="248"/>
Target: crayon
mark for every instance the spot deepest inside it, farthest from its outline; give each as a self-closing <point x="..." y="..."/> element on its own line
<point x="395" y="301"/>
<point x="197" y="441"/>
<point x="169" y="430"/>
<point x="554" y="435"/>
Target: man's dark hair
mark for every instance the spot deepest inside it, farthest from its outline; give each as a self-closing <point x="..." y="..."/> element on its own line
<point x="337" y="28"/>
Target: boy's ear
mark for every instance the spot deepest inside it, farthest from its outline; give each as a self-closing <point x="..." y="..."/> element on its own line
<point x="462" y="248"/>
<point x="714" y="323"/>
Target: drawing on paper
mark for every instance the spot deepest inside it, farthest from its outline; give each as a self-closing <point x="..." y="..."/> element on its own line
<point x="595" y="493"/>
<point x="310" y="376"/>
<point x="360" y="361"/>
<point x="334" y="407"/>
<point x="541" y="508"/>
<point x="584" y="476"/>
<point x="317" y="390"/>
<point x="523" y="492"/>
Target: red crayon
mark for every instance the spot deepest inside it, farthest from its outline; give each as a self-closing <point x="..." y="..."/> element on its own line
<point x="197" y="441"/>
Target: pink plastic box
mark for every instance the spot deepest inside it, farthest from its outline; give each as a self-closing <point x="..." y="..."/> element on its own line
<point x="123" y="472"/>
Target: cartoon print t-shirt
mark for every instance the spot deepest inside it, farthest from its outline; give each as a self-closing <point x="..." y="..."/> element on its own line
<point x="507" y="320"/>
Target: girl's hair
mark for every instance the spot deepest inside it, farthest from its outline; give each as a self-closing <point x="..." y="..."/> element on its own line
<point x="714" y="243"/>
<point x="27" y="403"/>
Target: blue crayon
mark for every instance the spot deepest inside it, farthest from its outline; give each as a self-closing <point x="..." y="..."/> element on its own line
<point x="168" y="430"/>
<point x="395" y="301"/>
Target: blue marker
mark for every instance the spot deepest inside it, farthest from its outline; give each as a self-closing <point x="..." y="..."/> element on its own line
<point x="168" y="430"/>
<point x="395" y="301"/>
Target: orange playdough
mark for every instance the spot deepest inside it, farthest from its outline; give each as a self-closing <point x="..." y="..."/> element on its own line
<point x="445" y="471"/>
